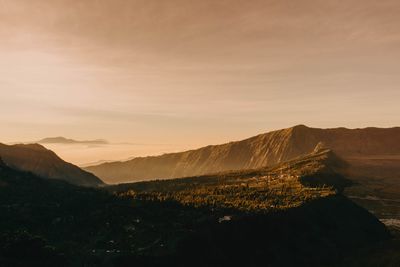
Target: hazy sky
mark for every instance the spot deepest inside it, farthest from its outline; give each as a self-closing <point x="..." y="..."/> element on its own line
<point x="188" y="73"/>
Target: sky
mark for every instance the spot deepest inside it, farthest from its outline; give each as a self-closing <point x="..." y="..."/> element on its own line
<point x="173" y="75"/>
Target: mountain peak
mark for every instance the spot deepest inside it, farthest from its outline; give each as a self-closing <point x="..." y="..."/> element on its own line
<point x="300" y="126"/>
<point x="300" y="130"/>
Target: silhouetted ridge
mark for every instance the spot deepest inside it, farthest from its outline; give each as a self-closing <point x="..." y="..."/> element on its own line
<point x="45" y="163"/>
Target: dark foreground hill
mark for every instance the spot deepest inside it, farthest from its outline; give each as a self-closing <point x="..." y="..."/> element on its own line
<point x="263" y="150"/>
<point x="52" y="223"/>
<point x="45" y="163"/>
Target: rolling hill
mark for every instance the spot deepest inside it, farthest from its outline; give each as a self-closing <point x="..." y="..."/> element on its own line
<point x="45" y="163"/>
<point x="353" y="145"/>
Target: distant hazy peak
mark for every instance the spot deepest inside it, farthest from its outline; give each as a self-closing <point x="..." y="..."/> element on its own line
<point x="63" y="140"/>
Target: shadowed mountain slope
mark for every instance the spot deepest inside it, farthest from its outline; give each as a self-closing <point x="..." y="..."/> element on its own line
<point x="45" y="163"/>
<point x="258" y="151"/>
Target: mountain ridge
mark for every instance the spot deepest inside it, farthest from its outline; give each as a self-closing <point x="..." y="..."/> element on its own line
<point x="254" y="152"/>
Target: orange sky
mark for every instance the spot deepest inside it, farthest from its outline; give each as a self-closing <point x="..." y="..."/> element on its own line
<point x="189" y="73"/>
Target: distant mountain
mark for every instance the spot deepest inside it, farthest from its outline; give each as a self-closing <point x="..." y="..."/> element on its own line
<point x="63" y="140"/>
<point x="45" y="163"/>
<point x="258" y="151"/>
